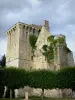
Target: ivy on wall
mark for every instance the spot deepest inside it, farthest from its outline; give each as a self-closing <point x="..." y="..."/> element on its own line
<point x="32" y="41"/>
<point x="49" y="50"/>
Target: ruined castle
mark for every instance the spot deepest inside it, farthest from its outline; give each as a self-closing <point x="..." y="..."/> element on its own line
<point x="19" y="52"/>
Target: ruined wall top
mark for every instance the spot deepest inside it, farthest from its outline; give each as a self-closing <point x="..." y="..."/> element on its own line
<point x="23" y="25"/>
<point x="46" y="25"/>
<point x="59" y="36"/>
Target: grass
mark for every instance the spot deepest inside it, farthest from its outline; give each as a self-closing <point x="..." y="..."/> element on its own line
<point x="10" y="99"/>
<point x="41" y="99"/>
<point x="52" y="99"/>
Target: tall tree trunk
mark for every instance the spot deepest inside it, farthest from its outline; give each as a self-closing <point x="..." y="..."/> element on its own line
<point x="42" y="94"/>
<point x="26" y="95"/>
<point x="10" y="93"/>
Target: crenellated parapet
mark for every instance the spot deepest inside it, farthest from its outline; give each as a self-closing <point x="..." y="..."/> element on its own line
<point x="12" y="29"/>
<point x="27" y="27"/>
<point x="30" y="27"/>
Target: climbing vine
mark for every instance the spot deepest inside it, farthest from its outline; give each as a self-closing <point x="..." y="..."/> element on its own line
<point x="32" y="41"/>
<point x="49" y="50"/>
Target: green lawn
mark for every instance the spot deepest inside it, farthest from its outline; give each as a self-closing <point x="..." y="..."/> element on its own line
<point x="53" y="99"/>
<point x="9" y="99"/>
<point x="41" y="99"/>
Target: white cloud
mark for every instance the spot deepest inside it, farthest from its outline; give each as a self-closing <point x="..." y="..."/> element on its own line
<point x="2" y="47"/>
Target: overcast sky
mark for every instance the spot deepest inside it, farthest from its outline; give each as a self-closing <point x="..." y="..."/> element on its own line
<point x="60" y="13"/>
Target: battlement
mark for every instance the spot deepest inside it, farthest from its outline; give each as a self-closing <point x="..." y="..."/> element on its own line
<point x="28" y="26"/>
<point x="23" y="25"/>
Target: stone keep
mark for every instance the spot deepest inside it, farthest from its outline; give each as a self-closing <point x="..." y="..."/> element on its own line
<point x="19" y="52"/>
<point x="18" y="48"/>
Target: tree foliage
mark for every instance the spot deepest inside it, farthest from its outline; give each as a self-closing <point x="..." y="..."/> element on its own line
<point x="60" y="40"/>
<point x="2" y="65"/>
<point x="50" y="39"/>
<point x="32" y="40"/>
<point x="66" y="78"/>
<point x="43" y="79"/>
<point x="48" y="53"/>
<point x="15" y="78"/>
<point x="3" y="61"/>
<point x="1" y="82"/>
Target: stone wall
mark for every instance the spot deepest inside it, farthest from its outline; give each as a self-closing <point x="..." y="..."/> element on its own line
<point x="53" y="93"/>
<point x="70" y="59"/>
<point x="13" y="63"/>
<point x="12" y="46"/>
<point x="24" y="47"/>
<point x="61" y="56"/>
<point x="25" y="50"/>
<point x="39" y="59"/>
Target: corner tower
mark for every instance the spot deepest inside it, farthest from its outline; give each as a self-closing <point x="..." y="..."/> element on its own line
<point x="12" y="53"/>
<point x="18" y="47"/>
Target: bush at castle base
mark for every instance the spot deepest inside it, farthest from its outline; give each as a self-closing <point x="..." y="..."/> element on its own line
<point x="66" y="78"/>
<point x="43" y="79"/>
<point x="15" y="78"/>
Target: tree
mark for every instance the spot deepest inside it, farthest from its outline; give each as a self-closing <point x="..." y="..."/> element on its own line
<point x="1" y="82"/>
<point x="43" y="79"/>
<point x="66" y="78"/>
<point x="2" y="65"/>
<point x="3" y="61"/>
<point x="15" y="78"/>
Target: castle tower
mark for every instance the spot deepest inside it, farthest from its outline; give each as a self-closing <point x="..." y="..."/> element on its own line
<point x="61" y="58"/>
<point x="12" y="53"/>
<point x="64" y="56"/>
<point x="18" y="47"/>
